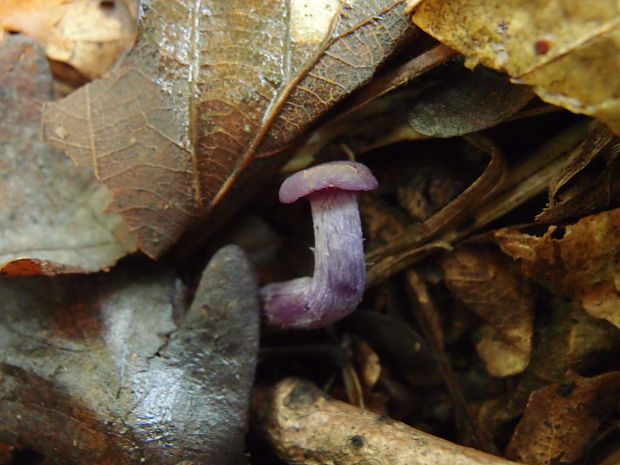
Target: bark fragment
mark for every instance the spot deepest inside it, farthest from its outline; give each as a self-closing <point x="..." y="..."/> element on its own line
<point x="305" y="426"/>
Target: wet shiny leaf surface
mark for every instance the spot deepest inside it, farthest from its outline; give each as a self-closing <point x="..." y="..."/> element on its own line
<point x="97" y="369"/>
<point x="211" y="88"/>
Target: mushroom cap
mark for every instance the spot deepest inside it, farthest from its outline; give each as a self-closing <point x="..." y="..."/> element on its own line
<point x="343" y="175"/>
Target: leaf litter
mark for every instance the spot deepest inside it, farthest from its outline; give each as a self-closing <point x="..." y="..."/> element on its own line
<point x="489" y="319"/>
<point x="568" y="53"/>
<point x="208" y="91"/>
<point x="52" y="214"/>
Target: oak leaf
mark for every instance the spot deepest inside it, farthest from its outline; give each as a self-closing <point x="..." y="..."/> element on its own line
<point x="212" y="91"/>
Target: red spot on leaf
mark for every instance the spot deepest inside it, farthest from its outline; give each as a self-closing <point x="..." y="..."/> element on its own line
<point x="542" y="46"/>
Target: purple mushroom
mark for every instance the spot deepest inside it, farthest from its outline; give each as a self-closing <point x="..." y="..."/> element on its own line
<point x="337" y="286"/>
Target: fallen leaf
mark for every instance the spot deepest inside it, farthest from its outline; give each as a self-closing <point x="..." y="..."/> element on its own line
<point x="590" y="342"/>
<point x="590" y="191"/>
<point x="368" y="363"/>
<point x="210" y="89"/>
<point x="561" y="418"/>
<point x="465" y="101"/>
<point x="576" y="190"/>
<point x="376" y="115"/>
<point x="567" y="340"/>
<point x="484" y="282"/>
<point x="577" y="260"/>
<point x="598" y="139"/>
<point x="51" y="213"/>
<point x="568" y="52"/>
<point x="35" y="18"/>
<point x="103" y="368"/>
<point x="397" y="344"/>
<point x="88" y="35"/>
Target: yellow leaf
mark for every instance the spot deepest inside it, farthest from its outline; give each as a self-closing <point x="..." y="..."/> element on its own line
<point x="568" y="51"/>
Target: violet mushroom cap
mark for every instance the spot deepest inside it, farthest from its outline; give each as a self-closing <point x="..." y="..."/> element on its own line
<point x="337" y="286"/>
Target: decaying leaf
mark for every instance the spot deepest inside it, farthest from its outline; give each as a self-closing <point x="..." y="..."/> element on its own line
<point x="576" y="190"/>
<point x="397" y="344"/>
<point x="104" y="369"/>
<point x="567" y="340"/>
<point x="210" y="88"/>
<point x="305" y="426"/>
<point x="598" y="138"/>
<point x="582" y="343"/>
<point x="590" y="191"/>
<point x="51" y="213"/>
<point x="579" y="260"/>
<point x="377" y="114"/>
<point x="560" y="419"/>
<point x="568" y="51"/>
<point x="486" y="284"/>
<point x="466" y="101"/>
<point x="88" y="35"/>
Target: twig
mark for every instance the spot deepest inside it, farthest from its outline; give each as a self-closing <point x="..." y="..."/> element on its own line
<point x="305" y="426"/>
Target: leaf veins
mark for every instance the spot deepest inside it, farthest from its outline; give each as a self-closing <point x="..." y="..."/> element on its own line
<point x="210" y="88"/>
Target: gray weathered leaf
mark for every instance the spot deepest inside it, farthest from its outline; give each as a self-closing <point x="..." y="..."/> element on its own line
<point x="98" y="369"/>
<point x="467" y="101"/>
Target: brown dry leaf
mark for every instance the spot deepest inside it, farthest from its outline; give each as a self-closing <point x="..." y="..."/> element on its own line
<point x="560" y="419"/>
<point x="209" y="89"/>
<point x="481" y="279"/>
<point x="598" y="138"/>
<point x="570" y="339"/>
<point x="368" y="362"/>
<point x="88" y="35"/>
<point x="590" y="341"/>
<point x="376" y="115"/>
<point x="576" y="190"/>
<point x="590" y="191"/>
<point x="568" y="51"/>
<point x="579" y="261"/>
<point x="51" y="213"/>
<point x="567" y="338"/>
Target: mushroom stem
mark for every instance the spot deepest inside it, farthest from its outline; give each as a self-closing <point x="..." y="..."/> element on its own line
<point x="337" y="285"/>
